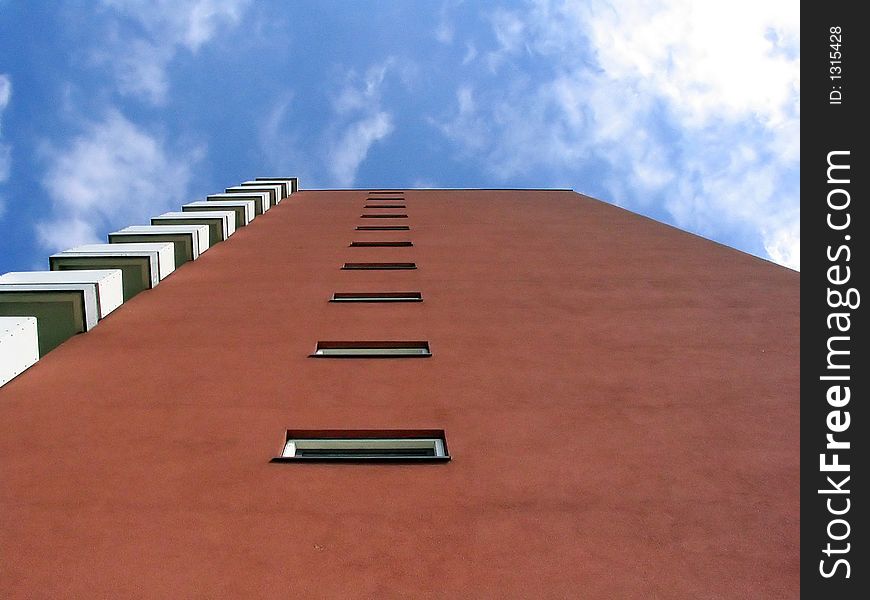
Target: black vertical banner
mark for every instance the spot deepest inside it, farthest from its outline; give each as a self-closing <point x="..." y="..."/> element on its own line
<point x="834" y="228"/>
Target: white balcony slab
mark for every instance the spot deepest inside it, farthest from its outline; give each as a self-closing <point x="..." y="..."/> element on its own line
<point x="19" y="346"/>
<point x="108" y="284"/>
<point x="261" y="200"/>
<point x="286" y="186"/>
<point x="274" y="191"/>
<point x="61" y="309"/>
<point x="143" y="265"/>
<point x="190" y="240"/>
<point x="292" y="182"/>
<point x="244" y="209"/>
<point x="221" y="223"/>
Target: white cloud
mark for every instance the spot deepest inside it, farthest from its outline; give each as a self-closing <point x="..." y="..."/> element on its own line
<point x="5" y="149"/>
<point x="783" y="245"/>
<point x="470" y="53"/>
<point x="359" y="122"/>
<point x="5" y="92"/>
<point x="5" y="161"/>
<point x="64" y="233"/>
<point x="331" y="156"/>
<point x="273" y="127"/>
<point x="425" y="184"/>
<point x="113" y="175"/>
<point x="468" y="126"/>
<point x="362" y="94"/>
<point x="686" y="105"/>
<point x="141" y="70"/>
<point x="191" y="23"/>
<point x="709" y="60"/>
<point x="444" y="32"/>
<point x="140" y="59"/>
<point x="351" y="149"/>
<point x="510" y="32"/>
<point x="736" y="103"/>
<point x="284" y="148"/>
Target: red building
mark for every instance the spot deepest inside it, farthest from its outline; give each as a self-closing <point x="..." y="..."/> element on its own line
<point x="620" y="401"/>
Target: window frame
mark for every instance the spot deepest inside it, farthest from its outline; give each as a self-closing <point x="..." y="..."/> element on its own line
<point x="381" y="244"/>
<point x="379" y="266"/>
<point x="335" y="438"/>
<point x="383" y="228"/>
<point x="372" y="349"/>
<point x="376" y="297"/>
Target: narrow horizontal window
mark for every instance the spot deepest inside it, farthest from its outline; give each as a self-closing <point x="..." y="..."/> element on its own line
<point x="383" y="228"/>
<point x="385" y="216"/>
<point x="377" y="297"/>
<point x="422" y="445"/>
<point x="385" y="266"/>
<point x="385" y="206"/>
<point x="371" y="349"/>
<point x="380" y="244"/>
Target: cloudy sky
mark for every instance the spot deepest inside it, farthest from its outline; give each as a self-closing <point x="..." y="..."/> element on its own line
<point x="114" y="110"/>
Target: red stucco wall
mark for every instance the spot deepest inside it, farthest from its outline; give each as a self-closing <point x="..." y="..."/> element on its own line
<point x="620" y="400"/>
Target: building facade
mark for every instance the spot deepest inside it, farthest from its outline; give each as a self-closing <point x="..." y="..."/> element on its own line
<point x="620" y="400"/>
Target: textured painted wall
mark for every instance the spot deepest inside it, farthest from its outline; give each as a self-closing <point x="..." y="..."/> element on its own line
<point x="620" y="400"/>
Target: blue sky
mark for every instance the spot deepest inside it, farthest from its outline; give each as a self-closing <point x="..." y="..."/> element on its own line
<point x="112" y="111"/>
